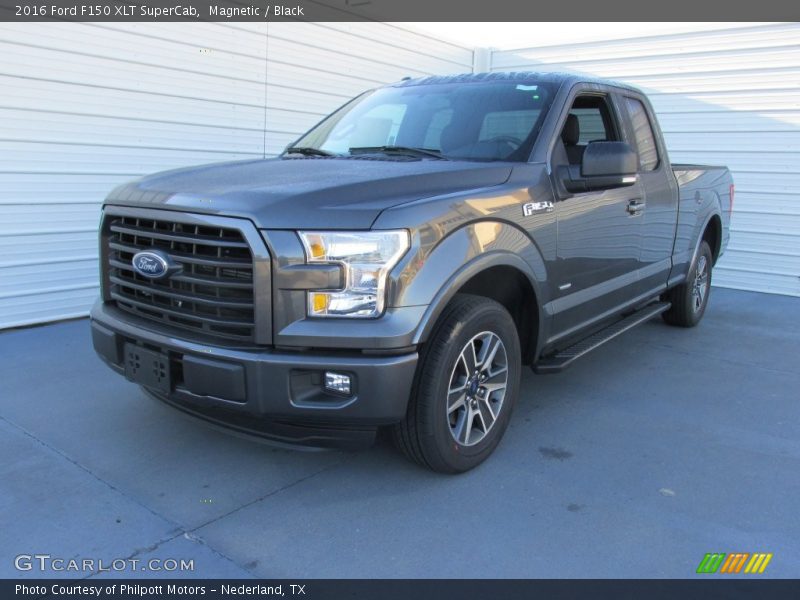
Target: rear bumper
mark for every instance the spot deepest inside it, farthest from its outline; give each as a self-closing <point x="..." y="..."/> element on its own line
<point x="276" y="396"/>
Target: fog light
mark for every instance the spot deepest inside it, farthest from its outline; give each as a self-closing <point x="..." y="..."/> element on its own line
<point x="337" y="382"/>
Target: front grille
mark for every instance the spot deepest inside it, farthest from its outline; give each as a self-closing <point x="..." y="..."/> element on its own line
<point x="212" y="294"/>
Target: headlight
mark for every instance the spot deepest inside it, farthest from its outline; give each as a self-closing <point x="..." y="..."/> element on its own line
<point x="367" y="257"/>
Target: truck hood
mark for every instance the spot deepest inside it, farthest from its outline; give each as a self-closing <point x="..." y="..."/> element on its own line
<point x="307" y="193"/>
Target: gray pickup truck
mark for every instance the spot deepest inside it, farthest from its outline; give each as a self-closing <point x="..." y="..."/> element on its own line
<point x="399" y="264"/>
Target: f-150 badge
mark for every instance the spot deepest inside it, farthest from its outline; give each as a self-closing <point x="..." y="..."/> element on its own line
<point x="536" y="207"/>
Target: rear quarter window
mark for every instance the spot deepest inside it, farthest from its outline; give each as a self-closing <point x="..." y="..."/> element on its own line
<point x="643" y="133"/>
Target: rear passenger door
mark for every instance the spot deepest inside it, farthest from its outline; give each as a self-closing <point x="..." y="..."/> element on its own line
<point x="598" y="237"/>
<point x="659" y="194"/>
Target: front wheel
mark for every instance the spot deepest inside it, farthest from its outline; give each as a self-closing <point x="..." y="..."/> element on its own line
<point x="689" y="300"/>
<point x="467" y="383"/>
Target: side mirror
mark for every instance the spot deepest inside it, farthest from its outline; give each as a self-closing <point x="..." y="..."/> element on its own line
<point x="605" y="165"/>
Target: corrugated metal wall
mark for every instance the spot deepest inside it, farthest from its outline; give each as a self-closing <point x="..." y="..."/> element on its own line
<point x="85" y="107"/>
<point x="727" y="97"/>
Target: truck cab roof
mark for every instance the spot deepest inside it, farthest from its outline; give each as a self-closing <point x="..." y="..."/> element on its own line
<point x="557" y="78"/>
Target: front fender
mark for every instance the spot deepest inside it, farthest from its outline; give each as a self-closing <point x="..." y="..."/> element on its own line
<point x="432" y="278"/>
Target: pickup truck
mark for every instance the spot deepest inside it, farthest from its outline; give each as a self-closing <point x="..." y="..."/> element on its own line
<point x="398" y="264"/>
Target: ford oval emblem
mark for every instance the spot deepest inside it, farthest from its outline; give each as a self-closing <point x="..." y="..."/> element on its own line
<point x="153" y="264"/>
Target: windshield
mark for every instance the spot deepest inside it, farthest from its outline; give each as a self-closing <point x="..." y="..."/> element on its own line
<point x="496" y="120"/>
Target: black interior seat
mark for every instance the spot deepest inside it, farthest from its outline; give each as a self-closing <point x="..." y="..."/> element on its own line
<point x="570" y="136"/>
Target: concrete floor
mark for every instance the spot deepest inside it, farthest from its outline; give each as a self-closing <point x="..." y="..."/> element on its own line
<point x="662" y="446"/>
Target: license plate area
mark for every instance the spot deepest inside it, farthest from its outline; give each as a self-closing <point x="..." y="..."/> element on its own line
<point x="147" y="368"/>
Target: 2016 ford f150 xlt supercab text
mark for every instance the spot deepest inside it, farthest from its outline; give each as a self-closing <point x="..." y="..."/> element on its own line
<point x="399" y="263"/>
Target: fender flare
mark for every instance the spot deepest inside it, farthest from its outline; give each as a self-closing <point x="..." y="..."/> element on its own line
<point x="510" y="248"/>
<point x="700" y="231"/>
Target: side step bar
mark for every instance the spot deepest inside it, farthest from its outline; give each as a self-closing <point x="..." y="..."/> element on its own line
<point x="561" y="360"/>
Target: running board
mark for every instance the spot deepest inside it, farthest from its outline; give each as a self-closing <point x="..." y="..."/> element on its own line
<point x="561" y="360"/>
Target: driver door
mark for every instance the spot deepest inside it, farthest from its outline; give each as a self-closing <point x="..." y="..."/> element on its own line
<point x="599" y="237"/>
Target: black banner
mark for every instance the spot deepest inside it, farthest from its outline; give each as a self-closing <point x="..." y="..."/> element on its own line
<point x="436" y="589"/>
<point x="396" y="10"/>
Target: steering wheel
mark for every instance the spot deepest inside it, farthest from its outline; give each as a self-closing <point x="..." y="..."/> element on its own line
<point x="512" y="141"/>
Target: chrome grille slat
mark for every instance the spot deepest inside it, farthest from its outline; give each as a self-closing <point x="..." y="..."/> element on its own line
<point x="213" y="295"/>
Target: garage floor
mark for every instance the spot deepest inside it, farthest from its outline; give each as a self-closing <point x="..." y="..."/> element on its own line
<point x="664" y="445"/>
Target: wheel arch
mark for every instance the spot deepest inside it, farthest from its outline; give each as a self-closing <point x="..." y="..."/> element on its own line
<point x="501" y="274"/>
<point x="712" y="233"/>
<point x="711" y="229"/>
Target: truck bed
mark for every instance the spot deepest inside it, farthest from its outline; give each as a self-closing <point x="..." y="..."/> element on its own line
<point x="703" y="189"/>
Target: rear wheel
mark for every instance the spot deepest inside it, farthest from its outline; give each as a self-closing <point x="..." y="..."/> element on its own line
<point x="689" y="300"/>
<point x="466" y="386"/>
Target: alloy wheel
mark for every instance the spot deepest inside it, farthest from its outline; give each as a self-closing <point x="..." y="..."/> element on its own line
<point x="477" y="388"/>
<point x="700" y="284"/>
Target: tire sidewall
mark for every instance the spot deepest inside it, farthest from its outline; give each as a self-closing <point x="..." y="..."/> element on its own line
<point x="488" y="317"/>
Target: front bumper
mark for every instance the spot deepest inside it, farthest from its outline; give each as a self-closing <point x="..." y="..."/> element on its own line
<point x="277" y="396"/>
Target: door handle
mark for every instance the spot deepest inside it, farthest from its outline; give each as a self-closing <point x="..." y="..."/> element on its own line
<point x="635" y="207"/>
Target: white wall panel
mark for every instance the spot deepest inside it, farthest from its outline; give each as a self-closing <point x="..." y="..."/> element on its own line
<point x="729" y="97"/>
<point x="85" y="107"/>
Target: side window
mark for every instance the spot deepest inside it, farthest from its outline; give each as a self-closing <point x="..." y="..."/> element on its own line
<point x="643" y="132"/>
<point x="590" y="120"/>
<point x="591" y="125"/>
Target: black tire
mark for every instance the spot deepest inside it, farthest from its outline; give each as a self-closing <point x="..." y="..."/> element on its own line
<point x="687" y="309"/>
<point x="427" y="435"/>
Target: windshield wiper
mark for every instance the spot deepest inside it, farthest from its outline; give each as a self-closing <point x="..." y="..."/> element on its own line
<point x="307" y="151"/>
<point x="400" y="150"/>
